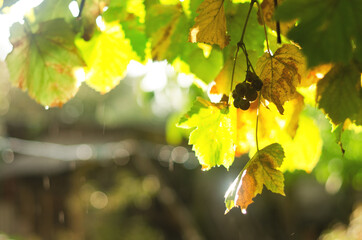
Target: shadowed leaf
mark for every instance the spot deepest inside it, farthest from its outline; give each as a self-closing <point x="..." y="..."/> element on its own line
<point x="339" y="94"/>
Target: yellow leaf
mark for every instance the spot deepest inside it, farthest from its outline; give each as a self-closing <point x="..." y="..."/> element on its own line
<point x="210" y="24"/>
<point x="107" y="55"/>
<point x="281" y="74"/>
<point x="304" y="150"/>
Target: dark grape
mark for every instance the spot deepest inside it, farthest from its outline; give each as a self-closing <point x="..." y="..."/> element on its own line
<point x="257" y="84"/>
<point x="236" y="103"/>
<point x="244" y="104"/>
<point x="250" y="76"/>
<point x="235" y="94"/>
<point x="241" y="89"/>
<point x="251" y="94"/>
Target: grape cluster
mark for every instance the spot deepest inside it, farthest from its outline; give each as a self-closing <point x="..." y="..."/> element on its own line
<point x="246" y="92"/>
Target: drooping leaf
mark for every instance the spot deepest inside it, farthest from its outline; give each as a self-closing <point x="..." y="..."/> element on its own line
<point x="325" y="29"/>
<point x="210" y="24"/>
<point x="268" y="9"/>
<point x="262" y="169"/>
<point x="339" y="94"/>
<point x="107" y="55"/>
<point x="213" y="136"/>
<point x="281" y="74"/>
<point x="42" y="62"/>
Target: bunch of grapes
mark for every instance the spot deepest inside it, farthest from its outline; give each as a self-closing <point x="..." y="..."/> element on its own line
<point x="246" y="92"/>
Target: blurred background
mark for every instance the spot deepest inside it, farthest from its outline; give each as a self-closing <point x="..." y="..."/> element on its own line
<point x="104" y="167"/>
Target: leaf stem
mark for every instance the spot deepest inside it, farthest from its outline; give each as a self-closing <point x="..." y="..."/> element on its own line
<point x="241" y="44"/>
<point x="279" y="40"/>
<point x="265" y="32"/>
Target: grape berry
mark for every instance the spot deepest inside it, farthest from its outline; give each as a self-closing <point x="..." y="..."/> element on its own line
<point x="246" y="92"/>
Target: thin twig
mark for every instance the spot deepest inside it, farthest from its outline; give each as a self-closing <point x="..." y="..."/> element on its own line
<point x="241" y="43"/>
<point x="265" y="32"/>
<point x="279" y="40"/>
<point x="81" y="9"/>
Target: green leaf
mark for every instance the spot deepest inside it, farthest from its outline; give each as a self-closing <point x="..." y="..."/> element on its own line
<point x="214" y="135"/>
<point x="42" y="63"/>
<point x="166" y="25"/>
<point x="51" y="9"/>
<point x="339" y="94"/>
<point x="261" y="170"/>
<point x="195" y="58"/>
<point x="254" y="37"/>
<point x="325" y="29"/>
<point x="107" y="55"/>
<point x="134" y="30"/>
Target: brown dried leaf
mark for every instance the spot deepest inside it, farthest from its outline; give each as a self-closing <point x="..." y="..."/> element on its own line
<point x="210" y="24"/>
<point x="281" y="74"/>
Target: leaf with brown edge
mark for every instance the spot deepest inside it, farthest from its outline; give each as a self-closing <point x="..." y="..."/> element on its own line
<point x="210" y="24"/>
<point x="281" y="74"/>
<point x="43" y="62"/>
<point x="268" y="8"/>
<point x="262" y="169"/>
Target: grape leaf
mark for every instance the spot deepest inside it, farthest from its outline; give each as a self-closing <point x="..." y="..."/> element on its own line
<point x="281" y="74"/>
<point x="268" y="8"/>
<point x="262" y="169"/>
<point x="42" y="62"/>
<point x="166" y="25"/>
<point x="210" y="24"/>
<point x="325" y="29"/>
<point x="214" y="134"/>
<point x="339" y="94"/>
<point x="107" y="55"/>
